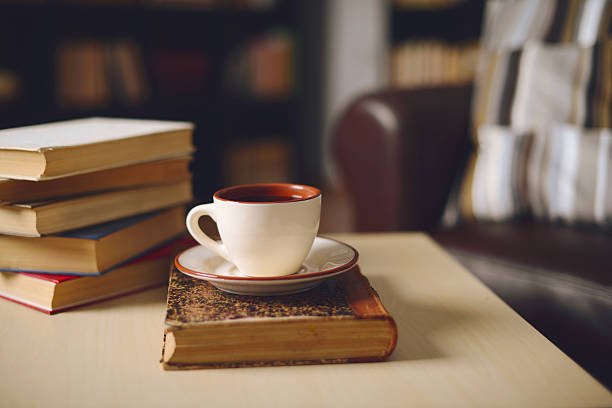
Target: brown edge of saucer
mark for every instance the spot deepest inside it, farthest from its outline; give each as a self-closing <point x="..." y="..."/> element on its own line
<point x="346" y="266"/>
<point x="277" y="189"/>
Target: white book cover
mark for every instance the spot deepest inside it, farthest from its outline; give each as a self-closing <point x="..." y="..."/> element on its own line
<point x="39" y="138"/>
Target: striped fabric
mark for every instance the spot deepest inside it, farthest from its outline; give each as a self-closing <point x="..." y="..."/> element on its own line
<point x="495" y="188"/>
<point x="569" y="175"/>
<point x="543" y="63"/>
<point x="495" y="85"/>
<point x="509" y="24"/>
<point x="539" y="84"/>
<point x="566" y="83"/>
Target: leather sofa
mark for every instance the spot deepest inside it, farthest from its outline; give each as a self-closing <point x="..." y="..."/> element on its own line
<point x="400" y="153"/>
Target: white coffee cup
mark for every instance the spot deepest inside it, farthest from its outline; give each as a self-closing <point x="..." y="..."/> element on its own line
<point x="266" y="229"/>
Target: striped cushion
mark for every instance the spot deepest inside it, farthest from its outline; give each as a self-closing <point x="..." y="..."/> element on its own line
<point x="509" y="24"/>
<point x="569" y="175"/>
<point x="540" y="84"/>
<point x="495" y="188"/>
<point x="560" y="174"/>
<point x="574" y="35"/>
<point x="563" y="83"/>
<point x="541" y="63"/>
<point x="494" y="87"/>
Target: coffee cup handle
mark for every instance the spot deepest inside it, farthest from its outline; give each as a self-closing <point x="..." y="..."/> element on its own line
<point x="194" y="229"/>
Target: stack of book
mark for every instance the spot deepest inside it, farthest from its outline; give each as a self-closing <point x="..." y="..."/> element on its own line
<point x="91" y="208"/>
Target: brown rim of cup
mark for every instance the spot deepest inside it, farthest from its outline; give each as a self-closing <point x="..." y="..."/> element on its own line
<point x="293" y="192"/>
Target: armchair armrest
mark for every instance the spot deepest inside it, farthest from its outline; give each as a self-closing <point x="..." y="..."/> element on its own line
<point x="399" y="152"/>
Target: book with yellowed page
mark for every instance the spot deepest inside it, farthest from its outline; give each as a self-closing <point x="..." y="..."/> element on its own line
<point x="57" y="293"/>
<point x="340" y="321"/>
<point x="48" y="217"/>
<point x="161" y="171"/>
<point x="92" y="250"/>
<point x="78" y="146"/>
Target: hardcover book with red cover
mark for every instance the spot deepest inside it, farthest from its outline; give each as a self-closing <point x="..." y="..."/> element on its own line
<point x="57" y="293"/>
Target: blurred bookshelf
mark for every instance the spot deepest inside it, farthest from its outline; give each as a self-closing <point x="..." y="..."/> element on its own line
<point x="434" y="42"/>
<point x="229" y="66"/>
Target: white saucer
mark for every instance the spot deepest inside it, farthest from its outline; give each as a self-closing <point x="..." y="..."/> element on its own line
<point x="327" y="258"/>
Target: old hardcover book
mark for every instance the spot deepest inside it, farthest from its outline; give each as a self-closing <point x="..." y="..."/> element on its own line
<point x="48" y="217"/>
<point x="161" y="171"/>
<point x="340" y="321"/>
<point x="78" y="146"/>
<point x="57" y="293"/>
<point x="91" y="250"/>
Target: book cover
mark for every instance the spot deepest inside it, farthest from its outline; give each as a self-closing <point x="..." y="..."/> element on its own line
<point x="92" y="250"/>
<point x="54" y="216"/>
<point x="82" y="79"/>
<point x="58" y="293"/>
<point x="340" y="321"/>
<point x="78" y="146"/>
<point x="156" y="172"/>
<point x="78" y="132"/>
<point x="179" y="73"/>
<point x="127" y="72"/>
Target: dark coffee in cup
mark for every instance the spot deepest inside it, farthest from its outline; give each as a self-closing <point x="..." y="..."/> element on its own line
<point x="263" y="199"/>
<point x="267" y="193"/>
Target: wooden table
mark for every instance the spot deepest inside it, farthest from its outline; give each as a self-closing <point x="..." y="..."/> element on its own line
<point x="459" y="345"/>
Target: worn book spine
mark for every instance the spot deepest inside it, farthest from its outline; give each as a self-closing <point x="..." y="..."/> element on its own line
<point x="195" y="305"/>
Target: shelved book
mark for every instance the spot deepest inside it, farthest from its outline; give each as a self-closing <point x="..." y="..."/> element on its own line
<point x="47" y="217"/>
<point x="94" y="73"/>
<point x="340" y="321"/>
<point x="259" y="161"/>
<point x="427" y="63"/>
<point x="78" y="146"/>
<point x="57" y="293"/>
<point x="156" y="172"/>
<point x="92" y="250"/>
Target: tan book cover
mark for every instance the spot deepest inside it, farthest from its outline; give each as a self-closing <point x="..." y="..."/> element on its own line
<point x="82" y="78"/>
<point x="91" y="250"/>
<point x="48" y="217"/>
<point x="161" y="171"/>
<point x="52" y="294"/>
<point x="78" y="146"/>
<point x="128" y="67"/>
<point x="340" y="321"/>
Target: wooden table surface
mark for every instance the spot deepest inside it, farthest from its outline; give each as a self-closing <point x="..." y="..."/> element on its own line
<point x="459" y="345"/>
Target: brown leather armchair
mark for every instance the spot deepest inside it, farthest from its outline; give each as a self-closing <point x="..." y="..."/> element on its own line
<point x="401" y="151"/>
